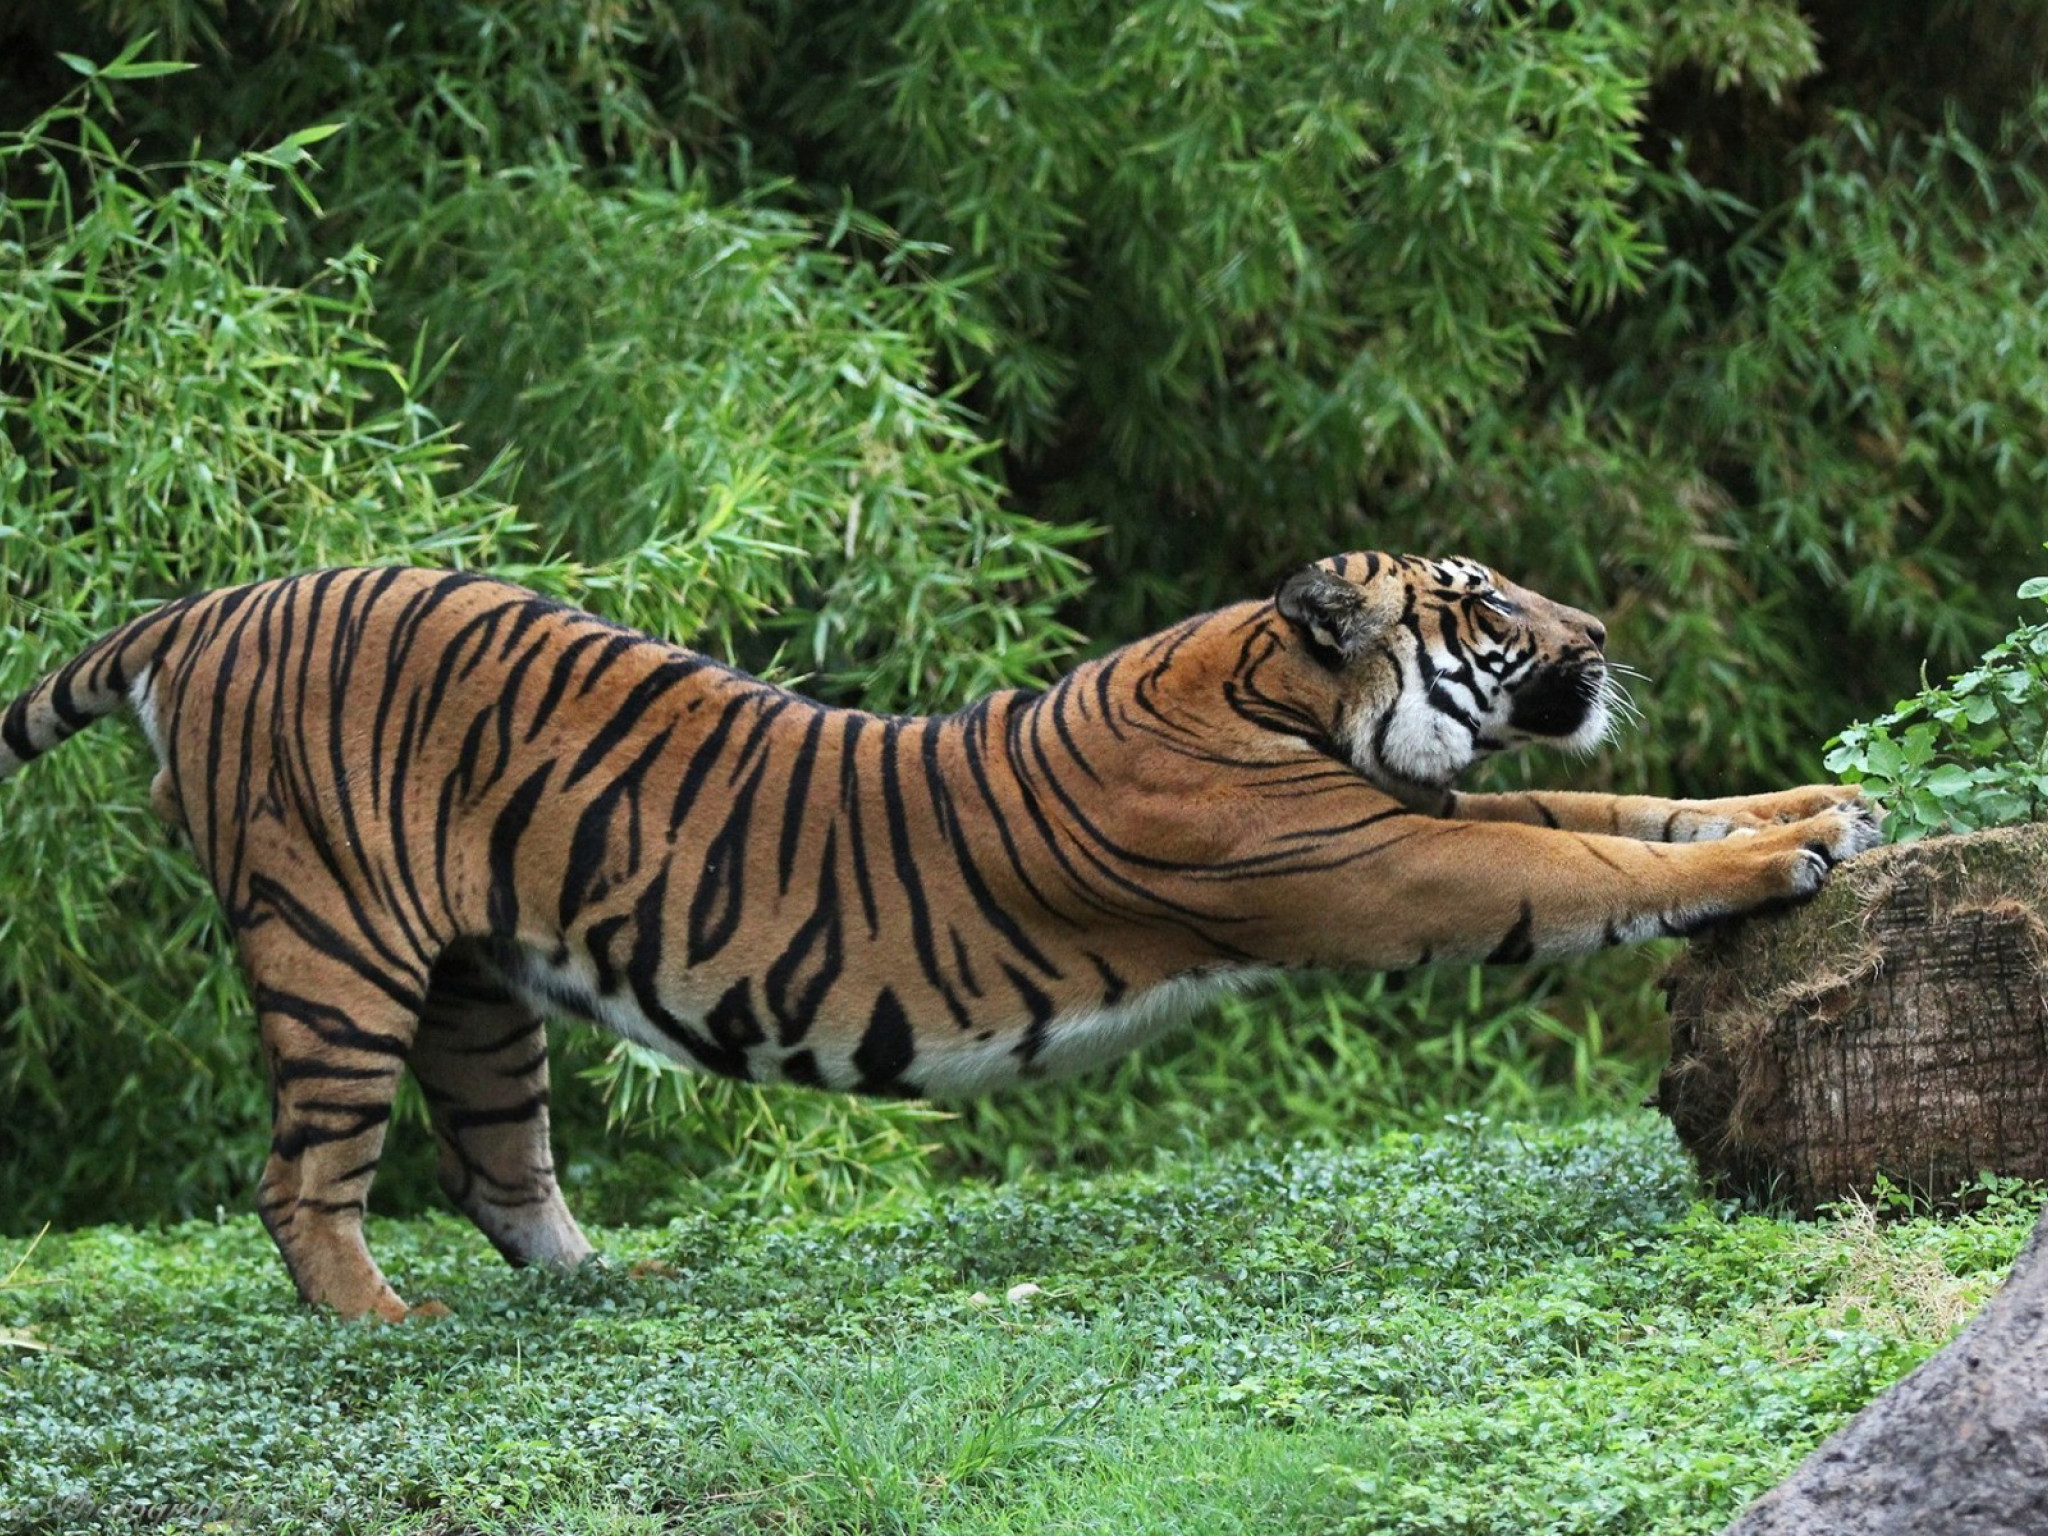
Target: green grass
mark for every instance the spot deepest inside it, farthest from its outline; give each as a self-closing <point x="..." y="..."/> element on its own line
<point x="1479" y="1329"/>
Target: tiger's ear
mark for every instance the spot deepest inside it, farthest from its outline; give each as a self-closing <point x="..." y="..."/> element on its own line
<point x="1334" y="618"/>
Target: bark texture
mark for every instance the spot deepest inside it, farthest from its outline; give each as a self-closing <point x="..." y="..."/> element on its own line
<point x="1958" y="1448"/>
<point x="1896" y="1025"/>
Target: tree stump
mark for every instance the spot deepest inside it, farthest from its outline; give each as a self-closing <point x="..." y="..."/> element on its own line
<point x="1895" y="1026"/>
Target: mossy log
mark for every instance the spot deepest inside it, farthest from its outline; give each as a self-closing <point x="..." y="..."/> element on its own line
<point x="1895" y="1027"/>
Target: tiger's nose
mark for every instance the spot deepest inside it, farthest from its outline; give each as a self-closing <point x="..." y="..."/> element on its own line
<point x="1577" y="618"/>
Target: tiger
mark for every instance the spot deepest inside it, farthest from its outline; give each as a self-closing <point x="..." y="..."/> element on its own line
<point x="437" y="808"/>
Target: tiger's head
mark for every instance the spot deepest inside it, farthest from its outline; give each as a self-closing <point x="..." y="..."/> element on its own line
<point x="1424" y="666"/>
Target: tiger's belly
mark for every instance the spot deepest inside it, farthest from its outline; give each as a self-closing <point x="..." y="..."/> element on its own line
<point x="873" y="1049"/>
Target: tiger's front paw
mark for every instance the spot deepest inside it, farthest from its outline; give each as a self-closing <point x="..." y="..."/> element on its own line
<point x="1805" y="803"/>
<point x="1846" y="829"/>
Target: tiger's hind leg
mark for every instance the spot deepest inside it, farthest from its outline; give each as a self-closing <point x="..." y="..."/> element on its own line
<point x="334" y="1038"/>
<point x="481" y="1057"/>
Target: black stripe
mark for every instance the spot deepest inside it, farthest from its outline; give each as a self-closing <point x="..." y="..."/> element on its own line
<point x="401" y="859"/>
<point x="401" y="987"/>
<point x="643" y="972"/>
<point x="1516" y="945"/>
<point x="398" y="642"/>
<point x="1058" y="701"/>
<point x="971" y="738"/>
<point x="14" y="730"/>
<point x="507" y="706"/>
<point x="502" y="908"/>
<point x="702" y="758"/>
<point x="73" y="718"/>
<point x="597" y="943"/>
<point x="886" y="1048"/>
<point x="1039" y="1008"/>
<point x="558" y="681"/>
<point x="758" y="731"/>
<point x="1113" y="984"/>
<point x="621" y="642"/>
<point x="962" y="964"/>
<point x="849" y="802"/>
<point x="300" y="1137"/>
<point x="991" y="910"/>
<point x="734" y="1030"/>
<point x="334" y="1026"/>
<point x="456" y="1118"/>
<point x="904" y="856"/>
<point x="627" y="713"/>
<point x="720" y="897"/>
<point x="591" y="842"/>
<point x="804" y="972"/>
<point x="793" y="800"/>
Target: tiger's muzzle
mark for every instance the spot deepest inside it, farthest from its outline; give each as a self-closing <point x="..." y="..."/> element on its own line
<point x="1563" y="701"/>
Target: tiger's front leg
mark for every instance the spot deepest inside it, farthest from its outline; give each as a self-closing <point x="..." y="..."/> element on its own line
<point x="1650" y="819"/>
<point x="1422" y="889"/>
<point x="481" y="1057"/>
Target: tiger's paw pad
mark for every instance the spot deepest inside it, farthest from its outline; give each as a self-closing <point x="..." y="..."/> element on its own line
<point x="428" y="1311"/>
<point x="1864" y="828"/>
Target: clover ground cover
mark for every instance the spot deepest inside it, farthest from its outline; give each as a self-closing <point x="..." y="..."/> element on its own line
<point x="1479" y="1329"/>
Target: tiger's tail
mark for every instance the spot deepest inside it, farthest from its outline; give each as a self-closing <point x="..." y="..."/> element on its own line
<point x="96" y="682"/>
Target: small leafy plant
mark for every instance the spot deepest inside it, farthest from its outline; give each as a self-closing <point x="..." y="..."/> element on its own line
<point x="1967" y="753"/>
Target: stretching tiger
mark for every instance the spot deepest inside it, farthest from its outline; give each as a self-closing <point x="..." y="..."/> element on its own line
<point x="436" y="807"/>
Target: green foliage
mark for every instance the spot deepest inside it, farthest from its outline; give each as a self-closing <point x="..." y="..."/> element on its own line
<point x="158" y="383"/>
<point x="1482" y="1329"/>
<point x="1765" y="45"/>
<point x="177" y="418"/>
<point x="1971" y="752"/>
<point x="1227" y="177"/>
<point x="786" y="1147"/>
<point x="1595" y="299"/>
<point x="826" y="335"/>
<point x="753" y="479"/>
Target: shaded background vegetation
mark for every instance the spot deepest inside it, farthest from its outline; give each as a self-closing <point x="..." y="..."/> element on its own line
<point x="898" y="348"/>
